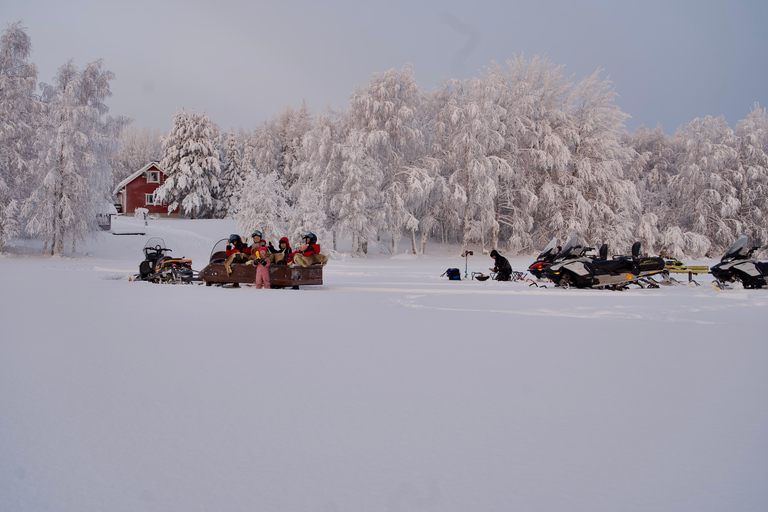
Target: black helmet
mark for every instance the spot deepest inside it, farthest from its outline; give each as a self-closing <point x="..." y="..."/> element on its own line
<point x="257" y="233"/>
<point x="235" y="238"/>
<point x="312" y="237"/>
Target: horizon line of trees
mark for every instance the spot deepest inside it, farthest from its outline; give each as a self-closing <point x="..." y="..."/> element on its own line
<point x="506" y="160"/>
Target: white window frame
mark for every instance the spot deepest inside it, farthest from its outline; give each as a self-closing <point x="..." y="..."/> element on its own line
<point x="149" y="199"/>
<point x="153" y="176"/>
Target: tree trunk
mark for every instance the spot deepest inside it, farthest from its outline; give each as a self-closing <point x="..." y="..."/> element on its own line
<point x="413" y="241"/>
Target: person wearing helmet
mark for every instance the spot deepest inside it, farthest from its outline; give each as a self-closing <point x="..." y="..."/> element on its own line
<point x="309" y="252"/>
<point x="237" y="252"/>
<point x="280" y="255"/>
<point x="502" y="267"/>
<point x="258" y="241"/>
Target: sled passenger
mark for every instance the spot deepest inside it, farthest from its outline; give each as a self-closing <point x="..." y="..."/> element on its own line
<point x="258" y="241"/>
<point x="261" y="262"/>
<point x="502" y="267"/>
<point x="237" y="252"/>
<point x="280" y="255"/>
<point x="308" y="253"/>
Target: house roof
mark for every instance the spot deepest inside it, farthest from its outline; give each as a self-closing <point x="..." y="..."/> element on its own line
<point x="135" y="175"/>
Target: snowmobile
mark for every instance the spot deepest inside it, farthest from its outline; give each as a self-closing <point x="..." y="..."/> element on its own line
<point x="738" y="265"/>
<point x="157" y="267"/>
<point x="544" y="259"/>
<point x="573" y="267"/>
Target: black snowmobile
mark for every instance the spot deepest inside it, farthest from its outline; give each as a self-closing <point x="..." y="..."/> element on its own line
<point x="739" y="265"/>
<point x="159" y="268"/>
<point x="544" y="259"/>
<point x="573" y="267"/>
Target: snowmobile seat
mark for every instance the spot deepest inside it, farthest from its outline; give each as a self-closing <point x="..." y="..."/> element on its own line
<point x="614" y="266"/>
<point x="218" y="257"/>
<point x="636" y="250"/>
<point x="604" y="252"/>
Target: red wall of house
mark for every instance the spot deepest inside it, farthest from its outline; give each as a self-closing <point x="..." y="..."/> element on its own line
<point x="135" y="194"/>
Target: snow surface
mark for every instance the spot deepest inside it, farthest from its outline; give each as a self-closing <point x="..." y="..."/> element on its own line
<point x="387" y="389"/>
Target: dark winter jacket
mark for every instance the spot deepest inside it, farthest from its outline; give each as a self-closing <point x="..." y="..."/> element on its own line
<point x="285" y="251"/>
<point x="502" y="263"/>
<point x="237" y="247"/>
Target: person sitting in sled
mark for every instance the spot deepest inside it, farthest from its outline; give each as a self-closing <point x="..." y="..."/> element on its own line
<point x="261" y="262"/>
<point x="258" y="241"/>
<point x="281" y="254"/>
<point x="308" y="253"/>
<point x="237" y="252"/>
<point x="502" y="267"/>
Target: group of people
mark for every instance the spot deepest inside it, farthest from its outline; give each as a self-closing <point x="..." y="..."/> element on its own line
<point x="262" y="254"/>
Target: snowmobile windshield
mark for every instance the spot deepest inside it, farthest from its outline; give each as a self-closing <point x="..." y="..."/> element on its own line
<point x="549" y="249"/>
<point x="153" y="243"/>
<point x="571" y="248"/>
<point x="739" y="248"/>
<point x="220" y="247"/>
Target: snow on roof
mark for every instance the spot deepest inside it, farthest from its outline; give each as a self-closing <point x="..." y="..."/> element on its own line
<point x="135" y="175"/>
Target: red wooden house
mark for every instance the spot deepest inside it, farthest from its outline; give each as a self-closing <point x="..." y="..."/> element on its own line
<point x="137" y="191"/>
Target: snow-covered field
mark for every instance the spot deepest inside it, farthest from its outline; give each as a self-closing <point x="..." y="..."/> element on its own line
<point x="387" y="389"/>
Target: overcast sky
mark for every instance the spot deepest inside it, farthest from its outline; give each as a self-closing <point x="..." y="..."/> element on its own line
<point x="245" y="61"/>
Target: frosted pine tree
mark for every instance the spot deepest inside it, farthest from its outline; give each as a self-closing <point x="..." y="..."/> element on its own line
<point x="73" y="163"/>
<point x="20" y="115"/>
<point x="233" y="175"/>
<point x="290" y="128"/>
<point x="191" y="165"/>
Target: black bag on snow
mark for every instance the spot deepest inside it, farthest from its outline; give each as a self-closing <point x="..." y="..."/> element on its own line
<point x="453" y="274"/>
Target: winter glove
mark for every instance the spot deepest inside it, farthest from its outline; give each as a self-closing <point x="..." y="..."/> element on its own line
<point x="271" y="247"/>
<point x="263" y="262"/>
<point x="229" y="247"/>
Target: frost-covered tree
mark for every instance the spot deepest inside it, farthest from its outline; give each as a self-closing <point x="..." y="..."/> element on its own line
<point x="321" y="168"/>
<point x="76" y="143"/>
<point x="191" y="165"/>
<point x="706" y="203"/>
<point x="356" y="205"/>
<point x="138" y="147"/>
<point x="600" y="203"/>
<point x="233" y="176"/>
<point x="750" y="177"/>
<point x="386" y="111"/>
<point x="475" y="138"/>
<point x="650" y="171"/>
<point x="290" y="128"/>
<point x="536" y="149"/>
<point x="263" y="205"/>
<point x="20" y="115"/>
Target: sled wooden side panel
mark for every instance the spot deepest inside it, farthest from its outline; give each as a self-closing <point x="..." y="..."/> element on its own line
<point x="279" y="275"/>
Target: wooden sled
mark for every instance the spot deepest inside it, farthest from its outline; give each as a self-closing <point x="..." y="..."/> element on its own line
<point x="282" y="276"/>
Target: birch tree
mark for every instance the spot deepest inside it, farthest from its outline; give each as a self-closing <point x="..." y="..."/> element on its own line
<point x="20" y="115"/>
<point x="76" y="142"/>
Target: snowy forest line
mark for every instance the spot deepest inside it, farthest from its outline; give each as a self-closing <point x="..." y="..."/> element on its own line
<point x="505" y="160"/>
